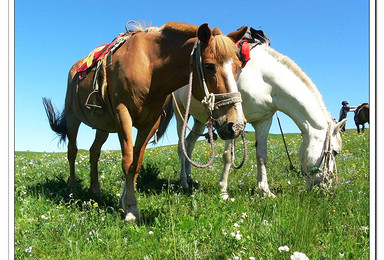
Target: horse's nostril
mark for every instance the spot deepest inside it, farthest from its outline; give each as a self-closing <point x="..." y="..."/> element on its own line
<point x="230" y="128"/>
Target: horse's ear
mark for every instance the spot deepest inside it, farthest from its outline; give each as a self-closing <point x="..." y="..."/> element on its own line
<point x="216" y="31"/>
<point x="204" y="33"/>
<point x="339" y="125"/>
<point x="238" y="34"/>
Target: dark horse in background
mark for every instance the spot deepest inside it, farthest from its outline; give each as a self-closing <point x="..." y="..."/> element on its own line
<point x="144" y="71"/>
<point x="361" y="116"/>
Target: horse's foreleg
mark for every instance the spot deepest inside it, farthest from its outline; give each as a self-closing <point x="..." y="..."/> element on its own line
<point x="363" y="128"/>
<point x="223" y="183"/>
<point x="128" y="199"/>
<point x="261" y="132"/>
<point x="94" y="154"/>
<point x="131" y="166"/>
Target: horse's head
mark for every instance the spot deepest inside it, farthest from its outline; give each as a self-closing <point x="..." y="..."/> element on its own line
<point x="217" y="64"/>
<point x="317" y="156"/>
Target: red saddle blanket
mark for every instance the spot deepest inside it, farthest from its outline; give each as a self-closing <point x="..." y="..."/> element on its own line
<point x="244" y="51"/>
<point x="97" y="54"/>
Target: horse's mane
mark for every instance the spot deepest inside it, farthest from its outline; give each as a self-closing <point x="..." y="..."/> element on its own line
<point x="183" y="28"/>
<point x="221" y="46"/>
<point x="292" y="66"/>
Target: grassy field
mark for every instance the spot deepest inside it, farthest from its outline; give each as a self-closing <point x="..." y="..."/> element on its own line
<point x="53" y="222"/>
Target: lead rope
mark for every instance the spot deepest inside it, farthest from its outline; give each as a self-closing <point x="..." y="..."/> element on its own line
<point x="291" y="167"/>
<point x="233" y="143"/>
<point x="208" y="124"/>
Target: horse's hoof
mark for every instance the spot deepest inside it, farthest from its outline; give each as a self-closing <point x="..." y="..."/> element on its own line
<point x="130" y="217"/>
<point x="269" y="194"/>
<point x="224" y="195"/>
<point x="184" y="185"/>
<point x="95" y="191"/>
<point x="133" y="214"/>
<point x="72" y="184"/>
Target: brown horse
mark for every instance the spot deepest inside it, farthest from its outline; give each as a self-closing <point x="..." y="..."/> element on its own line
<point x="145" y="70"/>
<point x="361" y="116"/>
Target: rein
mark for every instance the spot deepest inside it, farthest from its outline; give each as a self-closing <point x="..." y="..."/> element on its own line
<point x="208" y="101"/>
<point x="233" y="142"/>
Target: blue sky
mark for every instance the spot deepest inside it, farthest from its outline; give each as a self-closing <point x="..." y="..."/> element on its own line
<point x="328" y="39"/>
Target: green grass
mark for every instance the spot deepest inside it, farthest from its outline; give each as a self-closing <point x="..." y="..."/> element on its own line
<point x="53" y="222"/>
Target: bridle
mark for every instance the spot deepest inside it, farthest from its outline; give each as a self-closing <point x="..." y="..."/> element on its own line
<point x="210" y="100"/>
<point x="326" y="157"/>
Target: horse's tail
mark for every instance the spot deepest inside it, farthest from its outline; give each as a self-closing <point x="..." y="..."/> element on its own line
<point x="164" y="121"/>
<point x="57" y="121"/>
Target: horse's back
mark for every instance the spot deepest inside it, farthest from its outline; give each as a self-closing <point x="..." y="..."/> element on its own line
<point x="362" y="114"/>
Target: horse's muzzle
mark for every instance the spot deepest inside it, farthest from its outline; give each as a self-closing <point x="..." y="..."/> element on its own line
<point x="230" y="130"/>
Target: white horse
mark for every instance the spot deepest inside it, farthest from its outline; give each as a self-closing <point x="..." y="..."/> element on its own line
<point x="269" y="82"/>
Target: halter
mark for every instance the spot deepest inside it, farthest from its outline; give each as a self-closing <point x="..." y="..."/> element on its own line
<point x="325" y="158"/>
<point x="208" y="101"/>
<point x="209" y="98"/>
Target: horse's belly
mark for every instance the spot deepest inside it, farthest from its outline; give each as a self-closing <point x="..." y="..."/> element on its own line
<point x="98" y="118"/>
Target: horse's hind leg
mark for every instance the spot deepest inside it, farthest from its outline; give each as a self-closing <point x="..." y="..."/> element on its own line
<point x="358" y="128"/>
<point x="190" y="142"/>
<point x="94" y="154"/>
<point x="72" y="130"/>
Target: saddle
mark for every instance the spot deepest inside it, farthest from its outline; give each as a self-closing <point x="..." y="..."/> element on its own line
<point x="252" y="36"/>
<point x="99" y="59"/>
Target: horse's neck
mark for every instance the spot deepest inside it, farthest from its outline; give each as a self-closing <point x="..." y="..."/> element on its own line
<point x="292" y="91"/>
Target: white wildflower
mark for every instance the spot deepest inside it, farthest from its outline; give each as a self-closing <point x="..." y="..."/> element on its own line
<point x="236" y="225"/>
<point x="150" y="232"/>
<point x="341" y="254"/>
<point x="244" y="214"/>
<point x="265" y="222"/>
<point x="237" y="235"/>
<point x="252" y="258"/>
<point x="233" y="199"/>
<point x="289" y="183"/>
<point x="283" y="248"/>
<point x="44" y="217"/>
<point x="225" y="196"/>
<point x="299" y="256"/>
<point x="235" y="257"/>
<point x="28" y="250"/>
<point x="365" y="229"/>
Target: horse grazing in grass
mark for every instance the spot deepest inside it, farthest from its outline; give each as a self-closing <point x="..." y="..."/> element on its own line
<point x="269" y="82"/>
<point x="145" y="70"/>
<point x="361" y="116"/>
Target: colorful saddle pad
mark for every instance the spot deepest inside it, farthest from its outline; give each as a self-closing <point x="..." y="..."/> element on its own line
<point x="97" y="54"/>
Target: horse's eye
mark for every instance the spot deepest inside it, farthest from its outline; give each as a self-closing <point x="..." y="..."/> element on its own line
<point x="210" y="67"/>
<point x="334" y="152"/>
